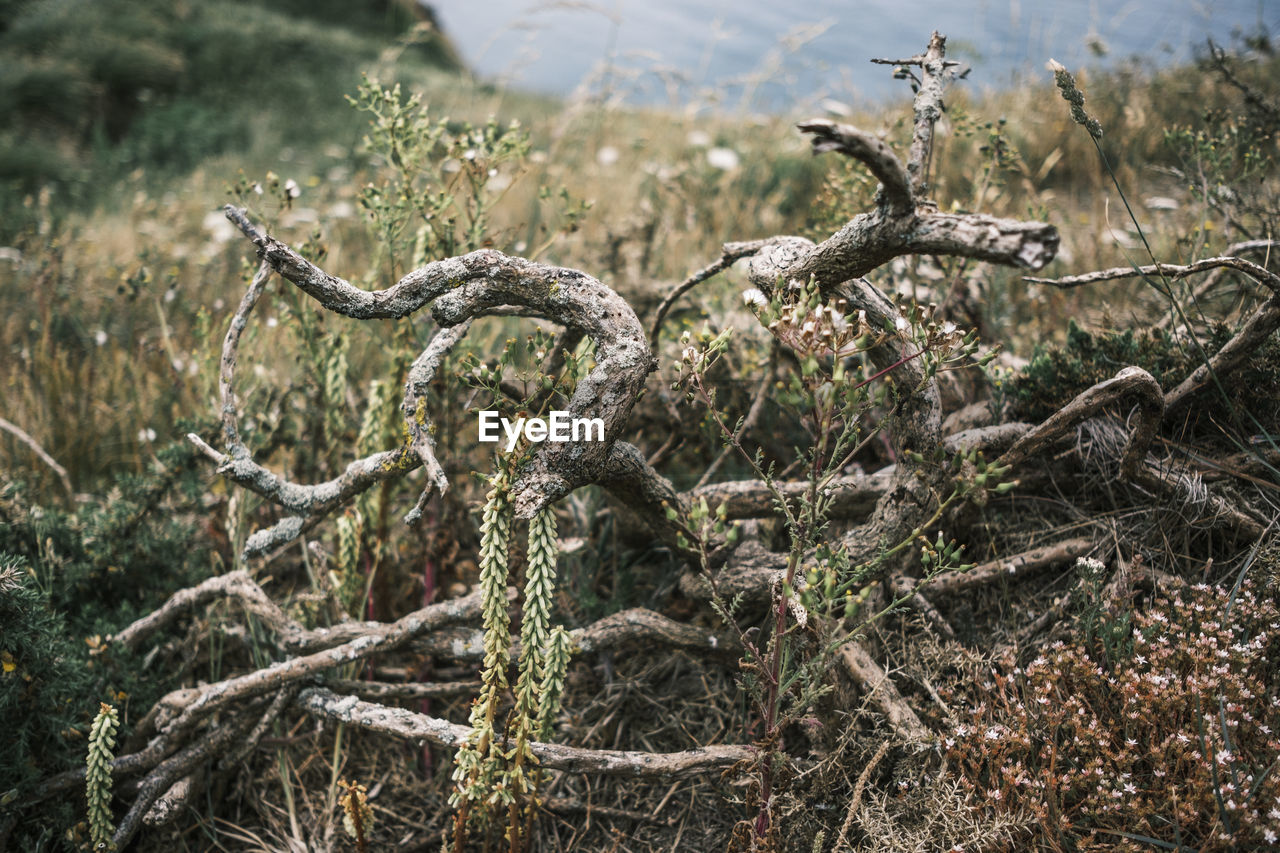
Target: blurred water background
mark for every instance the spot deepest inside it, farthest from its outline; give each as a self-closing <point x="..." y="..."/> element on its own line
<point x="763" y="54"/>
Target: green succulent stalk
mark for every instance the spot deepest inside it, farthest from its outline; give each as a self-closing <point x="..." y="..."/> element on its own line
<point x="349" y="582"/>
<point x="334" y="379"/>
<point x="555" y="667"/>
<point x="539" y="590"/>
<point x="102" y="743"/>
<point x="477" y="764"/>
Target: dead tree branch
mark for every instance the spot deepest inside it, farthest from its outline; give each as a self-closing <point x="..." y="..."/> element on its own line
<point x="458" y="289"/>
<point x="420" y="729"/>
<point x="1257" y="272"/>
<point x="41" y="454"/>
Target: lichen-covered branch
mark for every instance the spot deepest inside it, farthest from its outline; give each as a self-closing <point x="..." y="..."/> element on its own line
<point x="414" y="408"/>
<point x="237" y="585"/>
<point x="852" y="496"/>
<point x="641" y="626"/>
<point x="420" y="728"/>
<point x="188" y="707"/>
<point x="869" y="150"/>
<point x="1131" y="382"/>
<point x="480" y="283"/>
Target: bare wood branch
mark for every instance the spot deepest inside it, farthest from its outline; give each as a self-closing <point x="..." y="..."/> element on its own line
<point x="236" y="585"/>
<point x="628" y="477"/>
<point x="628" y="628"/>
<point x="853" y="496"/>
<point x="1136" y="384"/>
<point x="420" y="728"/>
<point x="894" y="181"/>
<point x="381" y="690"/>
<point x="173" y="769"/>
<point x="906" y="587"/>
<point x="1244" y="343"/>
<point x="641" y="626"/>
<point x="230" y="353"/>
<point x="730" y="254"/>
<point x="421" y="441"/>
<point x="135" y="762"/>
<point x="875" y="682"/>
<point x="1131" y="382"/>
<point x="1211" y="281"/>
<point x="1173" y="271"/>
<point x="752" y="572"/>
<point x="191" y="706"/>
<point x="927" y="109"/>
<point x="1017" y="566"/>
<point x="169" y="805"/>
<point x="14" y="430"/>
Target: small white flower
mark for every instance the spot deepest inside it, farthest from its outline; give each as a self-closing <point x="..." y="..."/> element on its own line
<point x="272" y="322"/>
<point x="100" y="337"/>
<point x="607" y="156"/>
<point x="724" y="159"/>
<point x="699" y="139"/>
<point x="147" y="434"/>
<point x="170" y="295"/>
<point x="291" y="188"/>
<point x="753" y="297"/>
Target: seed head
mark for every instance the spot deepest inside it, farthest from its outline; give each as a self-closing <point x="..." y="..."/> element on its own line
<point x="1072" y="95"/>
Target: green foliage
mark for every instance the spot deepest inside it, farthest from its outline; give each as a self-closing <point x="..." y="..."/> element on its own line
<point x="1055" y="375"/>
<point x="436" y="200"/>
<point x="107" y="86"/>
<point x="70" y="578"/>
<point x="46" y="682"/>
<point x="102" y="744"/>
<point x="834" y="394"/>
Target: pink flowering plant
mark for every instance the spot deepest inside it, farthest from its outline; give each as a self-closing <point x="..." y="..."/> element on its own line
<point x="1172" y="746"/>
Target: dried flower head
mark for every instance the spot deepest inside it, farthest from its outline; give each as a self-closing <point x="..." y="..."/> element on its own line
<point x="1072" y="95"/>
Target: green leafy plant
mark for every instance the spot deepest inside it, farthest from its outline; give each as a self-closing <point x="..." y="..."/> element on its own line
<point x="832" y="393"/>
